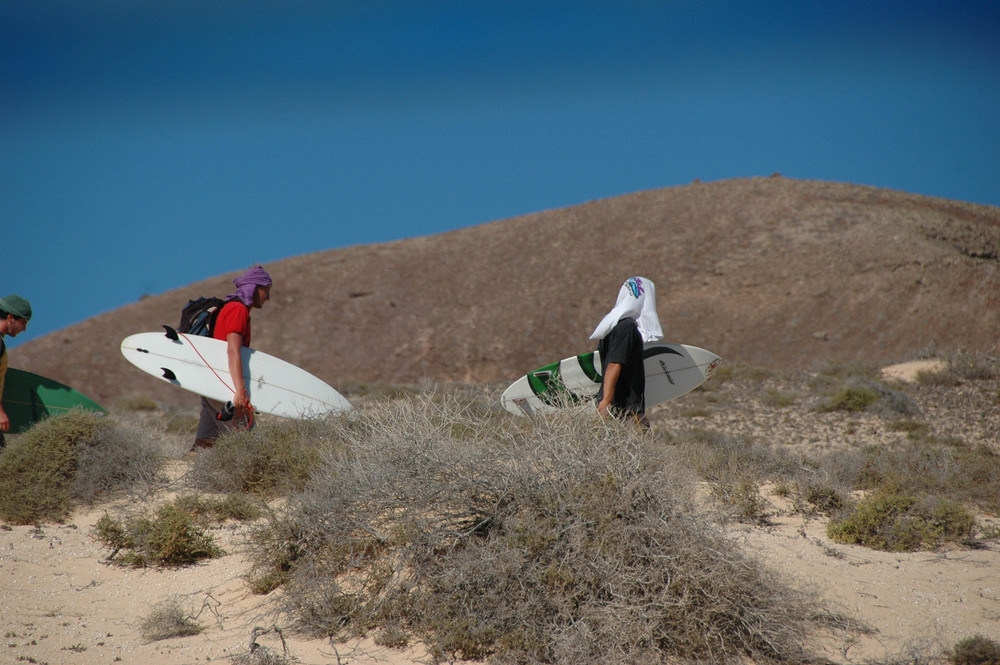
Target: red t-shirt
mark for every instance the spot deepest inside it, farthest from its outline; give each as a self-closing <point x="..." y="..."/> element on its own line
<point x="233" y="317"/>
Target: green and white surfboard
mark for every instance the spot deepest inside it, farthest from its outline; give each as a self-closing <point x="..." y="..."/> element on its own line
<point x="671" y="371"/>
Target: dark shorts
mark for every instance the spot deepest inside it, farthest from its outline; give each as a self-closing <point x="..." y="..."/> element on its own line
<point x="209" y="425"/>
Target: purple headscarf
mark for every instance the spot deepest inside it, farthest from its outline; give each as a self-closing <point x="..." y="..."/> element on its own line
<point x="248" y="282"/>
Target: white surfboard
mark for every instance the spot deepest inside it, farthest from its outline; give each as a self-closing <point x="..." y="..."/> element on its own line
<point x="201" y="365"/>
<point x="671" y="371"/>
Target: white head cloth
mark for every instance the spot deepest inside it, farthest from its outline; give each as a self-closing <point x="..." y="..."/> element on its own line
<point x="636" y="299"/>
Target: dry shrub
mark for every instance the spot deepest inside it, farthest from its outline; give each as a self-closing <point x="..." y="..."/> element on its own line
<point x="168" y="619"/>
<point x="975" y="650"/>
<point x="121" y="457"/>
<point x="557" y="539"/>
<point x="923" y="467"/>
<point x="832" y="375"/>
<point x="975" y="366"/>
<point x="857" y="394"/>
<point x="945" y="378"/>
<point x="736" y="468"/>
<point x="71" y="459"/>
<point x="896" y="521"/>
<point x="258" y="654"/>
<point x="135" y="403"/>
<point x="944" y="477"/>
<point x="273" y="459"/>
<point x="175" y="536"/>
<point x="778" y="399"/>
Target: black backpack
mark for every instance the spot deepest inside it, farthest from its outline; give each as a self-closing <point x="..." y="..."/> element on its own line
<point x="198" y="316"/>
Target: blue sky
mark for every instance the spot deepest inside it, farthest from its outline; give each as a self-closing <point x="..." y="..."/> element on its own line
<point x="148" y="145"/>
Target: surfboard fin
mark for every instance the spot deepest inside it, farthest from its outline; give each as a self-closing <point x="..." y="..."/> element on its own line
<point x="168" y="374"/>
<point x="171" y="333"/>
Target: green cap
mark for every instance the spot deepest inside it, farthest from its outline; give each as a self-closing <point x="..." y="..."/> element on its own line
<point x="16" y="305"/>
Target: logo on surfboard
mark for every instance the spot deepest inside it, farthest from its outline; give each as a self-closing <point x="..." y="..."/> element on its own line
<point x="666" y="371"/>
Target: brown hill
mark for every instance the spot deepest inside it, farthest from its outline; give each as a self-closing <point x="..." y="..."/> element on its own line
<point x="767" y="271"/>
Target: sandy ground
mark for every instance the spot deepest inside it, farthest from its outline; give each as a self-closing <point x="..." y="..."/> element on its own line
<point x="62" y="603"/>
<point x="915" y="602"/>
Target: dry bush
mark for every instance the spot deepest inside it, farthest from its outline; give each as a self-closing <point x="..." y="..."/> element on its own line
<point x="858" y="394"/>
<point x="925" y="467"/>
<point x="942" y="480"/>
<point x="777" y="399"/>
<point x="168" y="619"/>
<point x="735" y="469"/>
<point x="180" y="422"/>
<point x="557" y="539"/>
<point x="273" y="459"/>
<point x="359" y="389"/>
<point x="239" y="507"/>
<point x="974" y="366"/>
<point x="258" y="654"/>
<point x="122" y="457"/>
<point x="896" y="521"/>
<point x="175" y="536"/>
<point x="975" y="650"/>
<point x="71" y="459"/>
<point x="945" y="378"/>
<point x="127" y="403"/>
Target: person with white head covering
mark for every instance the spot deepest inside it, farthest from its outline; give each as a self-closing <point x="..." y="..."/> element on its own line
<point x="621" y="334"/>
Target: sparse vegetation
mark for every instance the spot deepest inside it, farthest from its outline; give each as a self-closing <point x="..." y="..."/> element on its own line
<point x="944" y="478"/>
<point x="974" y="366"/>
<point x="180" y="423"/>
<point x="853" y="398"/>
<point x="697" y="412"/>
<point x="135" y="403"/>
<point x="735" y="469"/>
<point x="911" y="427"/>
<point x="238" y="507"/>
<point x="837" y="374"/>
<point x="945" y="377"/>
<point x="778" y="398"/>
<point x="924" y="467"/>
<point x="355" y="389"/>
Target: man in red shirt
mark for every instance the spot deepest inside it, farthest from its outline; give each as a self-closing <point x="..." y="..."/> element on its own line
<point x="232" y="325"/>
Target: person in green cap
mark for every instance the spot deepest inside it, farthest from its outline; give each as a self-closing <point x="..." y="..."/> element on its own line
<point x="15" y="312"/>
